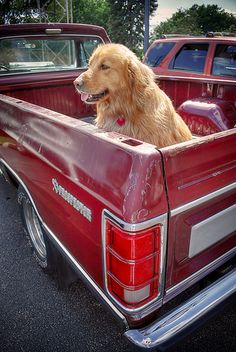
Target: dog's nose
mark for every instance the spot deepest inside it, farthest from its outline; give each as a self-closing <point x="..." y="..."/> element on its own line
<point x="78" y="82"/>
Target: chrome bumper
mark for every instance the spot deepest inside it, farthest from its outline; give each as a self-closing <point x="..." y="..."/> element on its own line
<point x="186" y="317"/>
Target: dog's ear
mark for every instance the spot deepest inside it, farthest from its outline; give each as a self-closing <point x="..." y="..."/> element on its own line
<point x="140" y="77"/>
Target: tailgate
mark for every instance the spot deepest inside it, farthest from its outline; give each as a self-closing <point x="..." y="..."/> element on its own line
<point x="200" y="179"/>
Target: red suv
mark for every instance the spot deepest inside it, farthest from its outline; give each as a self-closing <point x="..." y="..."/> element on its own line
<point x="196" y="72"/>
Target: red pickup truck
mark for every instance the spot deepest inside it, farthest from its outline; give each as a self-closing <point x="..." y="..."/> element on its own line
<point x="140" y="225"/>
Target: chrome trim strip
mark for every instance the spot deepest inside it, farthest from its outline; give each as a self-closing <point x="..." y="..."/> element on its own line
<point x="186" y="316"/>
<point x="66" y="252"/>
<point x="85" y="275"/>
<point x="200" y="79"/>
<point x="203" y="199"/>
<point x="211" y="230"/>
<point x="189" y="281"/>
<point x="162" y="219"/>
<point x="137" y="226"/>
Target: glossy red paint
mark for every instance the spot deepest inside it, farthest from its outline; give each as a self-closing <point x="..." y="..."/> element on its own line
<point x="181" y="88"/>
<point x="194" y="170"/>
<point x="37" y="29"/>
<point x="54" y="91"/>
<point x="206" y="116"/>
<point x="103" y="170"/>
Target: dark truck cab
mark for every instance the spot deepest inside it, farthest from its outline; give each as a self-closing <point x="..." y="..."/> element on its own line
<point x="140" y="225"/>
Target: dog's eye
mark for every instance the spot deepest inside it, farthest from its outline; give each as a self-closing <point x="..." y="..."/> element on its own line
<point x="104" y="67"/>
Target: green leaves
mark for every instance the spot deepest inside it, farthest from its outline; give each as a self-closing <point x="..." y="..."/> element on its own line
<point x="123" y="19"/>
<point x="126" y="21"/>
<point x="18" y="11"/>
<point x="197" y="20"/>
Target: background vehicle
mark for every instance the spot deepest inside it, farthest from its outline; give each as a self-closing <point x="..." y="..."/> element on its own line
<point x="199" y="75"/>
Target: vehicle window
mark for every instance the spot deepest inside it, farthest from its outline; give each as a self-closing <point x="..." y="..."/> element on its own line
<point x="86" y="48"/>
<point x="24" y="55"/>
<point x="191" y="57"/>
<point x="224" y="62"/>
<point x="157" y="53"/>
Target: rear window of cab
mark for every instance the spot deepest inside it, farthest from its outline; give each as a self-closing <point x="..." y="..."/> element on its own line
<point x="45" y="54"/>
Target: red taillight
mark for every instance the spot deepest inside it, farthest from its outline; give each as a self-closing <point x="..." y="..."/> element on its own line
<point x="132" y="264"/>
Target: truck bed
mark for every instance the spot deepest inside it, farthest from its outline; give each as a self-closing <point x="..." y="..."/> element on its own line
<point x="74" y="149"/>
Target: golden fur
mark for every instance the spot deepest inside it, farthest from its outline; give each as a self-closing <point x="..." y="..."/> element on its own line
<point x="131" y="103"/>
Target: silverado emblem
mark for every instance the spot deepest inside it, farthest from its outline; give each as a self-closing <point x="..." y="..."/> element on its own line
<point x="72" y="200"/>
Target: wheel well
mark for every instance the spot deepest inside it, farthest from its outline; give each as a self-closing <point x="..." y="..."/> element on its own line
<point x="8" y="176"/>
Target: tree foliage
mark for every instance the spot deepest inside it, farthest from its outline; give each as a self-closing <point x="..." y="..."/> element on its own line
<point x="126" y="21"/>
<point x="91" y="12"/>
<point x="198" y="20"/>
<point x="123" y="19"/>
<point x="18" y="11"/>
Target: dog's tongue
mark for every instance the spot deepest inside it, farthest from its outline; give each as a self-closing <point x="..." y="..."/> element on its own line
<point x="84" y="96"/>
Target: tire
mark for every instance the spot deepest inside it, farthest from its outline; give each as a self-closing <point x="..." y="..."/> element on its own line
<point x="34" y="231"/>
<point x="45" y="253"/>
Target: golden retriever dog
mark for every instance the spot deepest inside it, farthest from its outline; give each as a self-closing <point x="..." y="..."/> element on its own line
<point x="128" y="99"/>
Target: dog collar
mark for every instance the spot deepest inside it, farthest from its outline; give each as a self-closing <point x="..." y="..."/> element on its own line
<point x="120" y="121"/>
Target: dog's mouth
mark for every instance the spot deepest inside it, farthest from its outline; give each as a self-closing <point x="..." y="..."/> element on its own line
<point x="93" y="98"/>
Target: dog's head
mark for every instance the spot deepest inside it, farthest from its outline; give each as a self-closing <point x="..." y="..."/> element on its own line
<point x="113" y="70"/>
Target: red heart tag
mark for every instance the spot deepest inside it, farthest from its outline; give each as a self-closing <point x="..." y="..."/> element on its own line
<point x="121" y="121"/>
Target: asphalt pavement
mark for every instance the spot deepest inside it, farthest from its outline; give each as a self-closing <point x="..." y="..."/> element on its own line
<point x="37" y="317"/>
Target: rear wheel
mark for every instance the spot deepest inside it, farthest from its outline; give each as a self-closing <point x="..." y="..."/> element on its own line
<point x="34" y="231"/>
<point x="46" y="254"/>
